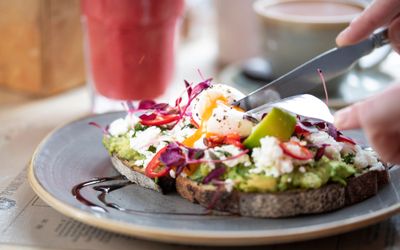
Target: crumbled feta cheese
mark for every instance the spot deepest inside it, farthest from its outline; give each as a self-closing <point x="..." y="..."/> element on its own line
<point x="143" y="140"/>
<point x="286" y="166"/>
<point x="302" y="169"/>
<point x="320" y="138"/>
<point x="228" y="151"/>
<point x="118" y="127"/>
<point x="229" y="183"/>
<point x="270" y="159"/>
<point x="147" y="156"/>
<point x="366" y="158"/>
<point x="181" y="131"/>
<point x="131" y="120"/>
<point x="172" y="173"/>
<point x="348" y="149"/>
<point x="207" y="157"/>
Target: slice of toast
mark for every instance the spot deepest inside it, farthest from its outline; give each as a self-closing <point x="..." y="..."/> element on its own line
<point x="272" y="205"/>
<point x="284" y="204"/>
<point x="137" y="175"/>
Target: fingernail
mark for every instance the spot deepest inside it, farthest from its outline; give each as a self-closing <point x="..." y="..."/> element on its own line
<point x="341" y="36"/>
<point x="342" y="117"/>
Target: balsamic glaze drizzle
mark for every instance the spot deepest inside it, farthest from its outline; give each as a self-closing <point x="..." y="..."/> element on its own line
<point x="106" y="189"/>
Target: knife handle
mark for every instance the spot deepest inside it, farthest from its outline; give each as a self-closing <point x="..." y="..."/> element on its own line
<point x="380" y="38"/>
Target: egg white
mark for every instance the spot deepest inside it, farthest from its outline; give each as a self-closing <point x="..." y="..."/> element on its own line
<point x="227" y="120"/>
<point x="224" y="119"/>
<point x="203" y="100"/>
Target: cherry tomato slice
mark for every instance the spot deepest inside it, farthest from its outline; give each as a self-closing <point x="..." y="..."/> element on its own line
<point x="214" y="140"/>
<point x="154" y="164"/>
<point x="296" y="151"/>
<point x="161" y="120"/>
<point x="234" y="139"/>
<point x="300" y="130"/>
<point x="343" y="138"/>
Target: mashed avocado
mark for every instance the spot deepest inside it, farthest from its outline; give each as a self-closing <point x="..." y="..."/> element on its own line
<point x="120" y="146"/>
<point x="313" y="177"/>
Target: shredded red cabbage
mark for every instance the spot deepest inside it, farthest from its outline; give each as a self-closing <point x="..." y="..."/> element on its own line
<point x="188" y="88"/>
<point x="104" y="130"/>
<point x="153" y="109"/>
<point x="179" y="156"/>
<point x="130" y="106"/>
<point x="309" y="123"/>
<point x="146" y="104"/>
<point x="192" y="93"/>
<point x="149" y="117"/>
<point x="300" y="128"/>
<point x="215" y="174"/>
<point x="195" y="153"/>
<point x="320" y="152"/>
<point x="332" y="131"/>
<point x="195" y="91"/>
<point x="218" y="161"/>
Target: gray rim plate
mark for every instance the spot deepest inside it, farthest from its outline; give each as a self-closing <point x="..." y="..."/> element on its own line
<point x="74" y="153"/>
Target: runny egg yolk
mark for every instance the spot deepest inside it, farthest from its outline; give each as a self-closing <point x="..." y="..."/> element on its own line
<point x="205" y="116"/>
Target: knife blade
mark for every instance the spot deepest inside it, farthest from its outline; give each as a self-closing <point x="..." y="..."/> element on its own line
<point x="305" y="77"/>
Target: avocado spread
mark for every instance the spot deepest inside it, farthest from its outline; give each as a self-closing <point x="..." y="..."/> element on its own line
<point x="120" y="146"/>
<point x="313" y="177"/>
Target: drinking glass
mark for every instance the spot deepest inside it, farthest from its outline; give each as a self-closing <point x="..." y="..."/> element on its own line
<point x="129" y="49"/>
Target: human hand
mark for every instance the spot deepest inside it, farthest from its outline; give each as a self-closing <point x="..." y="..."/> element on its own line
<point x="379" y="117"/>
<point x="379" y="13"/>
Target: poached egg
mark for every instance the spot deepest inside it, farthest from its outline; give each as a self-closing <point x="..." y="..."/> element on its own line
<point x="213" y="112"/>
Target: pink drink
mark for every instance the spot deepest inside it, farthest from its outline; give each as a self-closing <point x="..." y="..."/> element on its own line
<point x="130" y="46"/>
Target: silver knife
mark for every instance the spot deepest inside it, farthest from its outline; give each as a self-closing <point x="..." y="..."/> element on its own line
<point x="305" y="77"/>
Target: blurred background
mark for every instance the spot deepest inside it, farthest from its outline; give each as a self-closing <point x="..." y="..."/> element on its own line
<point x="42" y="53"/>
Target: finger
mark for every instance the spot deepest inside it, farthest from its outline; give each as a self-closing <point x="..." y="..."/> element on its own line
<point x="386" y="145"/>
<point x="347" y="118"/>
<point x="394" y="33"/>
<point x="378" y="14"/>
<point x="379" y="109"/>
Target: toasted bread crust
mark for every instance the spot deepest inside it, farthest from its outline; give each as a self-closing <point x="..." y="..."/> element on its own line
<point x="272" y="205"/>
<point x="284" y="204"/>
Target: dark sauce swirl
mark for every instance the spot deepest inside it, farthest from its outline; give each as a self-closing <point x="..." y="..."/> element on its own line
<point x="101" y="185"/>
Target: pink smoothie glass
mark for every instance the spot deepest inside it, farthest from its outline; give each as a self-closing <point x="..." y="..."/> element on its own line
<point x="130" y="46"/>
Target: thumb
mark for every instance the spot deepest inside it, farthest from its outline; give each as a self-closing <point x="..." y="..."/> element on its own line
<point x="347" y="118"/>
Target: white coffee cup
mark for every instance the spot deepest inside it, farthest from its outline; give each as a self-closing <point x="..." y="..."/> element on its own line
<point x="294" y="31"/>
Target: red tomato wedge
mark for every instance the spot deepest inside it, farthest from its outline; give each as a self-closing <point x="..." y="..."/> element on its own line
<point x="300" y="130"/>
<point x="214" y="140"/>
<point x="154" y="165"/>
<point x="234" y="139"/>
<point x="160" y="120"/>
<point x="296" y="151"/>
